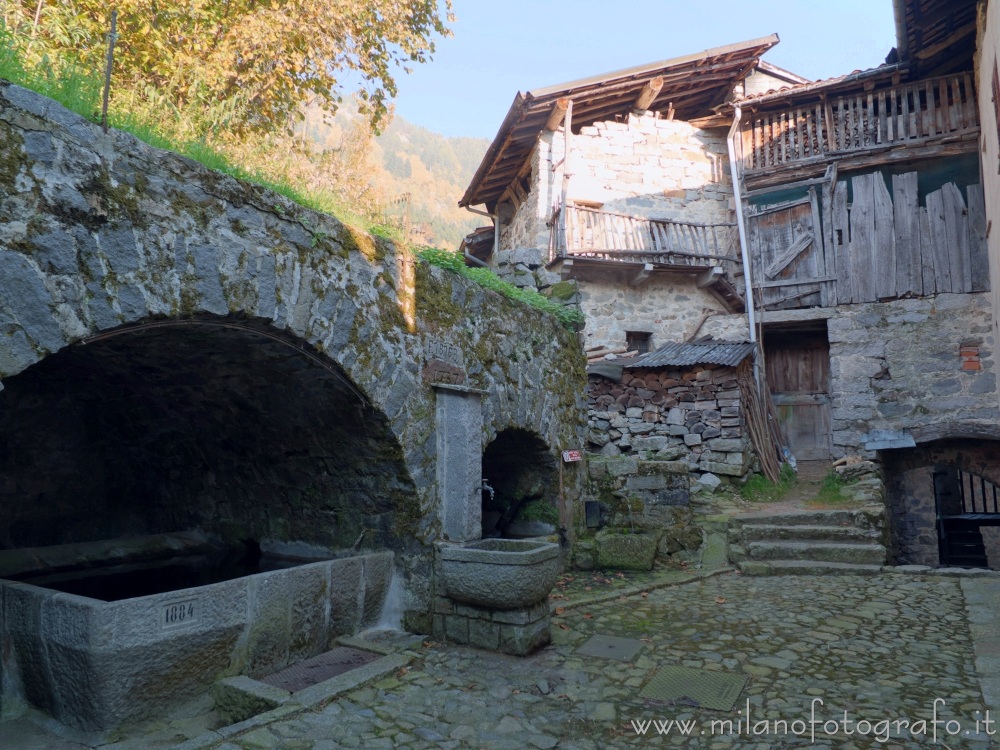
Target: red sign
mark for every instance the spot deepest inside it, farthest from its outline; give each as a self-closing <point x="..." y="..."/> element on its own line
<point x="571" y="456"/>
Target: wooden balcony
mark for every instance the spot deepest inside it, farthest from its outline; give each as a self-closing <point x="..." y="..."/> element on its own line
<point x="593" y="233"/>
<point x="920" y="113"/>
<point x="597" y="243"/>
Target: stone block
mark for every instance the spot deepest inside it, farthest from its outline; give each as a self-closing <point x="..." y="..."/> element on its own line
<point x="710" y="481"/>
<point x="456" y="628"/>
<point x="239" y="698"/>
<point x="524" y="640"/>
<point x="692" y="439"/>
<point x="619" y="549"/>
<point x="484" y="634"/>
<point x="646" y="483"/>
<point x="726" y="446"/>
<point x="655" y="443"/>
<point x="719" y="467"/>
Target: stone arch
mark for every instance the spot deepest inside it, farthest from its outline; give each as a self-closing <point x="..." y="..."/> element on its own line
<point x="519" y="468"/>
<point x="217" y="424"/>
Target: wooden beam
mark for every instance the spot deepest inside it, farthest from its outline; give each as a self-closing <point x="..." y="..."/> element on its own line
<point x="641" y="274"/>
<point x="787" y="255"/>
<point x="709" y="277"/>
<point x="557" y="114"/>
<point x="951" y="39"/>
<point x="649" y="92"/>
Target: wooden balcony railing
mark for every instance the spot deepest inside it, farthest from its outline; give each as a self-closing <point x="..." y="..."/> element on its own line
<point x="908" y="113"/>
<point x="615" y="236"/>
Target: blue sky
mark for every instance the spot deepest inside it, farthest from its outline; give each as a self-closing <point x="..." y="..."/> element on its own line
<point x="502" y="46"/>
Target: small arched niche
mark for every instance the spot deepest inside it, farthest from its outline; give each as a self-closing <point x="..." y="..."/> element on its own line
<point x="520" y="486"/>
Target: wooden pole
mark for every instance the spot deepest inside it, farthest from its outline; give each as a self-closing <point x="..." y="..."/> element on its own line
<point x="558" y="112"/>
<point x="567" y="133"/>
<point x="112" y="37"/>
<point x="649" y="92"/>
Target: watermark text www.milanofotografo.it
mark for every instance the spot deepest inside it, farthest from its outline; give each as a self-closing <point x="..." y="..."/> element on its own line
<point x="934" y="727"/>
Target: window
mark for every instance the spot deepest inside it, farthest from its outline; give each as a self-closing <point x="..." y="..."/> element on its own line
<point x="638" y="341"/>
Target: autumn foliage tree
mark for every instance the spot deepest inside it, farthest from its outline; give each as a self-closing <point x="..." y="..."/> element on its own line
<point x="250" y="65"/>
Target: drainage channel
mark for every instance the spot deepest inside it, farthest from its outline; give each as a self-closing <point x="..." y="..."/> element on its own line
<point x="307" y="673"/>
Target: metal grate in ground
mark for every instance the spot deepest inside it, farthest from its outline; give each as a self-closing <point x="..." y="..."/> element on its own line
<point x="610" y="647"/>
<point x="695" y="687"/>
<point x="319" y="668"/>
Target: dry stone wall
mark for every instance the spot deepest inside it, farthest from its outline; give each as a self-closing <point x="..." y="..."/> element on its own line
<point x="692" y="415"/>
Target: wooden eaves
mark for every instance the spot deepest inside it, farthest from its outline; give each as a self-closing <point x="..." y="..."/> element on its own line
<point x="692" y="83"/>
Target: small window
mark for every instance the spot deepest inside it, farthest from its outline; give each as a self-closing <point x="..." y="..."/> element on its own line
<point x="638" y="341"/>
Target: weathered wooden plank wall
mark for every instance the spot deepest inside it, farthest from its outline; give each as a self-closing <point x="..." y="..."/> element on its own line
<point x="879" y="246"/>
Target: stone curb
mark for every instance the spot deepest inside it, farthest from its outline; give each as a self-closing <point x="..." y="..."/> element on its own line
<point x="315" y="696"/>
<point x="633" y="590"/>
<point x="925" y="570"/>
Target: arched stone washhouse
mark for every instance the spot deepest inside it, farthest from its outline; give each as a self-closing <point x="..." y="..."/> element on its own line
<point x="102" y="234"/>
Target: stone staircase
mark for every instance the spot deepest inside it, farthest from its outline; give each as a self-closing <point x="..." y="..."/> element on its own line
<point x="809" y="542"/>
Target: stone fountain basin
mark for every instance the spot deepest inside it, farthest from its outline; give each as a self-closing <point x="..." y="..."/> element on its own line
<point x="500" y="573"/>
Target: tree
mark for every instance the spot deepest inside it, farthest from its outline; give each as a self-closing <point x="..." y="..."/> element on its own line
<point x="256" y="61"/>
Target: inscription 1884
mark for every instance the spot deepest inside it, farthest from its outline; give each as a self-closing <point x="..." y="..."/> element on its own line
<point x="175" y="614"/>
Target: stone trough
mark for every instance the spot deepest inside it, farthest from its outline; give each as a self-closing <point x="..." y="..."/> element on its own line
<point x="98" y="665"/>
<point x="495" y="594"/>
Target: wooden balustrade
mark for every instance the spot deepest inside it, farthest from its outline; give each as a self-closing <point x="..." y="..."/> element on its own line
<point x="594" y="233"/>
<point x="908" y="113"/>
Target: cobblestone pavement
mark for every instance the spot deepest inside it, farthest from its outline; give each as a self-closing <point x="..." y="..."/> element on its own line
<point x="882" y="649"/>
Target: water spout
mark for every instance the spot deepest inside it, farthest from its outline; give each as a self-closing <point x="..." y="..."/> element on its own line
<point x="485" y="485"/>
<point x="392" y="610"/>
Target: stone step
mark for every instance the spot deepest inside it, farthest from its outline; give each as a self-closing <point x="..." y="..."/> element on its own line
<point x="856" y="554"/>
<point x="805" y="568"/>
<point x="757" y="532"/>
<point x="861" y="518"/>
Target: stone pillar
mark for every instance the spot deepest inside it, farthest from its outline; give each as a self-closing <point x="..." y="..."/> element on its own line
<point x="460" y="461"/>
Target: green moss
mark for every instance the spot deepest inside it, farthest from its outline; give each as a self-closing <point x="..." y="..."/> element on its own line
<point x="562" y="290"/>
<point x="435" y="306"/>
<point x="353" y="240"/>
<point x="539" y="510"/>
<point x="201" y="211"/>
<point x="115" y="203"/>
<point x="759" y="488"/>
<point x="569" y="317"/>
<point x="12" y="156"/>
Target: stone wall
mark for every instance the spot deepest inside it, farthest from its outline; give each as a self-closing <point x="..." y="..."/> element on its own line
<point x="645" y="166"/>
<point x="691" y="415"/>
<point x="102" y="235"/>
<point x="988" y="50"/>
<point x="669" y="308"/>
<point x="900" y="365"/>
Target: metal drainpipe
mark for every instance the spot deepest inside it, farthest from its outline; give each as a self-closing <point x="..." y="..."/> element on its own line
<point x="496" y="235"/>
<point x="741" y="225"/>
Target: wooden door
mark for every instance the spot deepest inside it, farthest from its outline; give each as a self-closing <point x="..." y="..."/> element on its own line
<point x="790" y="269"/>
<point x="798" y="375"/>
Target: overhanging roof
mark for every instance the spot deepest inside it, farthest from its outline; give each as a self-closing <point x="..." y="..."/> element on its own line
<point x="935" y="36"/>
<point x="692" y="83"/>
<point x="827" y="87"/>
<point x="683" y="355"/>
